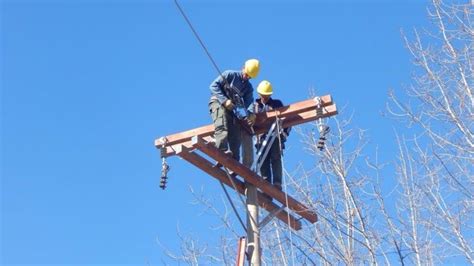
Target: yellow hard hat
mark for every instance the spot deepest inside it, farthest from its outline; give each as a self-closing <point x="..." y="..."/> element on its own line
<point x="265" y="88"/>
<point x="251" y="68"/>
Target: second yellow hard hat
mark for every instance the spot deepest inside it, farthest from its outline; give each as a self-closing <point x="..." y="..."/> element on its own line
<point x="265" y="88"/>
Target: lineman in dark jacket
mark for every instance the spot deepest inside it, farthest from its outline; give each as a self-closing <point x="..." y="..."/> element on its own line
<point x="231" y="98"/>
<point x="272" y="165"/>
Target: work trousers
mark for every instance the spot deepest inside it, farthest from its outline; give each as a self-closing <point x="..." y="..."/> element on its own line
<point x="271" y="166"/>
<point x="229" y="134"/>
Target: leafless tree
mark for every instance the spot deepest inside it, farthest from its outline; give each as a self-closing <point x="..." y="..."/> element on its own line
<point x="192" y="252"/>
<point x="435" y="165"/>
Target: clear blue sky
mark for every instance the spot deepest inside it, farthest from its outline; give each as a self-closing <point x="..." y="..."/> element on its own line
<point x="86" y="87"/>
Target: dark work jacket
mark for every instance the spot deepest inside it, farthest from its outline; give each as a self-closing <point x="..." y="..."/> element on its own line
<point x="235" y="80"/>
<point x="271" y="104"/>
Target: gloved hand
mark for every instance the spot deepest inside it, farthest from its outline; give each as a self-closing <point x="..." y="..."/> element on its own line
<point x="229" y="105"/>
<point x="251" y="119"/>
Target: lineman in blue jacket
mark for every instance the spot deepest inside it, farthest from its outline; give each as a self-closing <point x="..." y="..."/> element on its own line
<point x="272" y="165"/>
<point x="231" y="104"/>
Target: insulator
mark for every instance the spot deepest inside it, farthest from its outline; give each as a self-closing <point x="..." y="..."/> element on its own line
<point x="321" y="143"/>
<point x="164" y="169"/>
<point x="163" y="182"/>
<point x="323" y="131"/>
<point x="164" y="173"/>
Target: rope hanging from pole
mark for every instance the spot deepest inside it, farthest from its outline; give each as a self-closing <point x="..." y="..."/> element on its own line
<point x="279" y="130"/>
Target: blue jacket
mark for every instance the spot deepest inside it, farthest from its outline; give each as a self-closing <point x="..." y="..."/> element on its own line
<point x="235" y="80"/>
<point x="272" y="104"/>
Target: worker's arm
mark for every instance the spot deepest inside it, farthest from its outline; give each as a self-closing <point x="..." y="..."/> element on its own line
<point x="217" y="87"/>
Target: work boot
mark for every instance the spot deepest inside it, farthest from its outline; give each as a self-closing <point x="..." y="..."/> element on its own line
<point x="231" y="173"/>
<point x="218" y="164"/>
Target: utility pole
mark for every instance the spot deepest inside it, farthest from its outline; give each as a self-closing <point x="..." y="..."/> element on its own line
<point x="253" y="230"/>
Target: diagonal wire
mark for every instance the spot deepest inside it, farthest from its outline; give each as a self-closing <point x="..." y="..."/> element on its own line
<point x="218" y="71"/>
<point x="198" y="38"/>
<point x="233" y="206"/>
<point x="240" y="196"/>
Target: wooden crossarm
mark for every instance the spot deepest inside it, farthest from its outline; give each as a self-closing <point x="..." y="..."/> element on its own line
<point x="297" y="119"/>
<point x="206" y="166"/>
<point x="264" y="120"/>
<point x="207" y="131"/>
<point x="301" y="118"/>
<point x="233" y="165"/>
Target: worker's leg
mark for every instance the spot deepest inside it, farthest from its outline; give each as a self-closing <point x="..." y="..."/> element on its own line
<point x="247" y="148"/>
<point x="265" y="169"/>
<point x="220" y="120"/>
<point x="275" y="161"/>
<point x="234" y="136"/>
